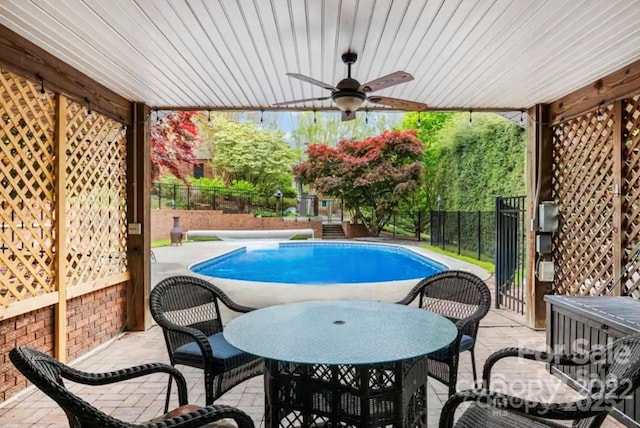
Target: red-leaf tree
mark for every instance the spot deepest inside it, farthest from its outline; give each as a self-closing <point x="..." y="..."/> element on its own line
<point x="174" y="139"/>
<point x="371" y="176"/>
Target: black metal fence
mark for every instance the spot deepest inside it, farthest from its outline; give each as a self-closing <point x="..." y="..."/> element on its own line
<point x="229" y="201"/>
<point x="469" y="233"/>
<point x="410" y="225"/>
<point x="511" y="253"/>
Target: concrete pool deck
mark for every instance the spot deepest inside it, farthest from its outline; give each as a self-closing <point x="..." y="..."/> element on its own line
<point x="261" y="294"/>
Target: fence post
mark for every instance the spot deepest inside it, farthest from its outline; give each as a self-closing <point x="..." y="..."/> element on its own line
<point x="188" y="197"/>
<point x="159" y="195"/>
<point x="432" y="223"/>
<point x="459" y="233"/>
<point x="498" y="258"/>
<point x="419" y="225"/>
<point x="175" y="197"/>
<point x="479" y="234"/>
<point x="443" y="217"/>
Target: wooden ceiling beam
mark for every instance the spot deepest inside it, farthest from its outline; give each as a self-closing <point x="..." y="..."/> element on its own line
<point x="620" y="84"/>
<point x="22" y="56"/>
<point x="360" y="111"/>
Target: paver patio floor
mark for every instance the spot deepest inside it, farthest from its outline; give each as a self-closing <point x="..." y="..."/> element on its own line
<point x="142" y="399"/>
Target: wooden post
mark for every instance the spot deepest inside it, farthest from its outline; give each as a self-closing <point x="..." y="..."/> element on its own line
<point x="618" y="197"/>
<point x="60" y="263"/>
<point x="139" y="213"/>
<point x="539" y="188"/>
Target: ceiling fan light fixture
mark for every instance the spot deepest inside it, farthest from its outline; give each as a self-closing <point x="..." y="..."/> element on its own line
<point x="348" y="95"/>
<point x="349" y="101"/>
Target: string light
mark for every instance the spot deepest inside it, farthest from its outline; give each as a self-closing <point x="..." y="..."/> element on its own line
<point x="366" y="116"/>
<point x="599" y="113"/>
<point x="89" y="112"/>
<point x="209" y="120"/>
<point x="261" y="116"/>
<point x="315" y="118"/>
<point x="43" y="93"/>
<point x="470" y="118"/>
<point x="419" y="122"/>
<point x="521" y="117"/>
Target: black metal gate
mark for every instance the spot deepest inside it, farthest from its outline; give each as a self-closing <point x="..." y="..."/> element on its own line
<point x="510" y="253"/>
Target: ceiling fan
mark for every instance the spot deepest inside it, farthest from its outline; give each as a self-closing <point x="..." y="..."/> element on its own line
<point x="349" y="94"/>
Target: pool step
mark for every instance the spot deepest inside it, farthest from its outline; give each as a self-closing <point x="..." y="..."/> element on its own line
<point x="332" y="231"/>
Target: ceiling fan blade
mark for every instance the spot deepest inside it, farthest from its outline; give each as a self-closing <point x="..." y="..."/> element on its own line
<point x="398" y="103"/>
<point x="394" y="78"/>
<point x="284" y="103"/>
<point x="348" y="115"/>
<point x="312" y="81"/>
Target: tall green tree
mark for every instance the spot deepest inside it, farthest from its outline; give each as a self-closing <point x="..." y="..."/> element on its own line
<point x="427" y="126"/>
<point x="244" y="152"/>
<point x="371" y="176"/>
<point x="328" y="128"/>
<point x="423" y="199"/>
<point x="479" y="161"/>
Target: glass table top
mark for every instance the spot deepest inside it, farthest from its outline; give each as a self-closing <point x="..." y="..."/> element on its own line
<point x="340" y="332"/>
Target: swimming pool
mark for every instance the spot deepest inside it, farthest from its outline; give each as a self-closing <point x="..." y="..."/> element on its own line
<point x="320" y="263"/>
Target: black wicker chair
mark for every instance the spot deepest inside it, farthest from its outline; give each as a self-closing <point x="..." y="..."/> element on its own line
<point x="621" y="376"/>
<point x="48" y="375"/>
<point x="464" y="299"/>
<point x="187" y="308"/>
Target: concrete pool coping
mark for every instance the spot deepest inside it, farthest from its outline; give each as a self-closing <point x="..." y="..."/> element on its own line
<point x="176" y="261"/>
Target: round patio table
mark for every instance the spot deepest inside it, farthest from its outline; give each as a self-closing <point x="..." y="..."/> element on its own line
<point x="354" y="363"/>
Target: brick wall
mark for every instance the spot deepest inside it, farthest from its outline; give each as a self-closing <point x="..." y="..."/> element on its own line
<point x="162" y="222"/>
<point x="34" y="329"/>
<point x="95" y="318"/>
<point x="92" y="320"/>
<point x="354" y="230"/>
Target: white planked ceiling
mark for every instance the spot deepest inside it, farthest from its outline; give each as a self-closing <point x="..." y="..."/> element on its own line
<point x="502" y="54"/>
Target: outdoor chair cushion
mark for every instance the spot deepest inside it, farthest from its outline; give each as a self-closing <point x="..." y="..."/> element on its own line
<point x="482" y="415"/>
<point x="225" y="355"/>
<point x="466" y="343"/>
<point x="464" y="299"/>
<point x="188" y="408"/>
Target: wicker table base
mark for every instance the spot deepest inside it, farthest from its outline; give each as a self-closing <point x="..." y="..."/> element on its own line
<point x="315" y="395"/>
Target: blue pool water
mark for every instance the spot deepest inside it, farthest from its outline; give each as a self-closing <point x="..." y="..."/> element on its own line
<point x="320" y="264"/>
